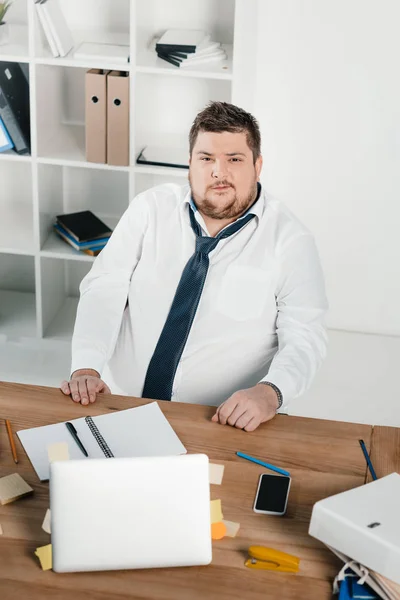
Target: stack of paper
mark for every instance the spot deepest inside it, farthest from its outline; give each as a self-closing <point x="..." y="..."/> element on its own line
<point x="186" y="48"/>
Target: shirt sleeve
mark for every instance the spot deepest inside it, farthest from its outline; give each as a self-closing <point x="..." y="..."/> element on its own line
<point x="302" y="307"/>
<point x="104" y="291"/>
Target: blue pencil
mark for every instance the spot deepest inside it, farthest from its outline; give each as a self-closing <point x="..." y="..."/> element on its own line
<point x="263" y="464"/>
<point x="367" y="458"/>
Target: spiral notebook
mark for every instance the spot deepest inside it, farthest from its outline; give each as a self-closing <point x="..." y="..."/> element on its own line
<point x="141" y="431"/>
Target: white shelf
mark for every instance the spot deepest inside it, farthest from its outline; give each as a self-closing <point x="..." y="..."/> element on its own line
<point x="162" y="171"/>
<point x="62" y="162"/>
<point x="83" y="64"/>
<point x="54" y="247"/>
<point x="17" y="314"/>
<point x="13" y="156"/>
<point x="149" y="62"/>
<point x="17" y="50"/>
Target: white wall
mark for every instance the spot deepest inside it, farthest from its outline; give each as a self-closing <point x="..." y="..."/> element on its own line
<point x="328" y="102"/>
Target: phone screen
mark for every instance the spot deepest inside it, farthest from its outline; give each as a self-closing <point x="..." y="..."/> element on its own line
<point x="272" y="493"/>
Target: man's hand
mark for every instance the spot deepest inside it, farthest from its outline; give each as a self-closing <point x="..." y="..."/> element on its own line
<point x="247" y="409"/>
<point x="84" y="385"/>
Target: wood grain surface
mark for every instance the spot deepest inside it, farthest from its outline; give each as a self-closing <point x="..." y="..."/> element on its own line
<point x="323" y="457"/>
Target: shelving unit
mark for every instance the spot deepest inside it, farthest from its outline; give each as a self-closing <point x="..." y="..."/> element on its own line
<point x="39" y="273"/>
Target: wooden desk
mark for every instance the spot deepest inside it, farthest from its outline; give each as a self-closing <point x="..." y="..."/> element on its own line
<point x="324" y="458"/>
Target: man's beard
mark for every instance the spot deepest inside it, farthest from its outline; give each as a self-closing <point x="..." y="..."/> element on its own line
<point x="236" y="207"/>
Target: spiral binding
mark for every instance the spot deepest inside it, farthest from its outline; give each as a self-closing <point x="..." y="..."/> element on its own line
<point x="99" y="438"/>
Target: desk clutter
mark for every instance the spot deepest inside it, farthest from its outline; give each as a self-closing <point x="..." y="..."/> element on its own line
<point x="360" y="526"/>
<point x="83" y="231"/>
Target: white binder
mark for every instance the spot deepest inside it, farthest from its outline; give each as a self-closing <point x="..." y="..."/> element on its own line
<point x="363" y="524"/>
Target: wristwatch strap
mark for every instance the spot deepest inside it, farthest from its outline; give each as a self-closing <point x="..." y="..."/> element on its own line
<point x="277" y="390"/>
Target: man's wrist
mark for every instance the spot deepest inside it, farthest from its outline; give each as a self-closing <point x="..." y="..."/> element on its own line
<point x="90" y="372"/>
<point x="278" y="393"/>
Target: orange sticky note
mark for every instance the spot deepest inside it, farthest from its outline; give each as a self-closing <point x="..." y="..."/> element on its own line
<point x="218" y="530"/>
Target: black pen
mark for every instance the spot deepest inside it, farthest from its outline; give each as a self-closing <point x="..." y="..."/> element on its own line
<point x="74" y="434"/>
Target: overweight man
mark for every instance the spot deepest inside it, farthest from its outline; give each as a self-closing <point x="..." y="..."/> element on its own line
<point x="208" y="293"/>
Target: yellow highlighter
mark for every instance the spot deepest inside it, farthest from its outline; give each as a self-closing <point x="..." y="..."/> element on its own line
<point x="272" y="560"/>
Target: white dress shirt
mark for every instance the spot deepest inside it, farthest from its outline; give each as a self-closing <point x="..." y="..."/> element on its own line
<point x="260" y="316"/>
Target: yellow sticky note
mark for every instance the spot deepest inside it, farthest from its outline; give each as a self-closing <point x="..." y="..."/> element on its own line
<point x="13" y="487"/>
<point x="231" y="528"/>
<point x="58" y="451"/>
<point x="216" y="473"/>
<point x="45" y="556"/>
<point x="216" y="511"/>
<point x="46" y="522"/>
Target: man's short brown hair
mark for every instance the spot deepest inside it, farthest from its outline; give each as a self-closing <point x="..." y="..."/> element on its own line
<point x="222" y="116"/>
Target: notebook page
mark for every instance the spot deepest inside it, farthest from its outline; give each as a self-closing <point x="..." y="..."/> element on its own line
<point x="36" y="440"/>
<point x="141" y="431"/>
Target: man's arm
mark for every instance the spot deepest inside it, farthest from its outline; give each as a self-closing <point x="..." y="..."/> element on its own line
<point x="302" y="307"/>
<point x="302" y="340"/>
<point x="104" y="291"/>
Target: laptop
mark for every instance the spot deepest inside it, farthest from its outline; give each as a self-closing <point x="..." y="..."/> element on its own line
<point x="130" y="513"/>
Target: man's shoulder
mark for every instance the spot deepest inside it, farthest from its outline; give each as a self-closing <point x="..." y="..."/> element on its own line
<point x="285" y="218"/>
<point x="164" y="197"/>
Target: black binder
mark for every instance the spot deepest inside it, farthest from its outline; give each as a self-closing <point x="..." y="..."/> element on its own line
<point x="14" y="105"/>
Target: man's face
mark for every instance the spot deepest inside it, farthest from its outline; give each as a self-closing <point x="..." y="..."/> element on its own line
<point x="222" y="174"/>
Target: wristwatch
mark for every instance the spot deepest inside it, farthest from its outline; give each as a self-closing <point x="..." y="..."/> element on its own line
<point x="277" y="390"/>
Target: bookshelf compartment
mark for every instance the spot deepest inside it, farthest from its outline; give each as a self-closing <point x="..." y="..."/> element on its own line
<point x="60" y="294"/>
<point x="167" y="106"/>
<point x="104" y="21"/>
<point x="17" y="296"/>
<point x="154" y="17"/>
<point x="61" y="112"/>
<point x="16" y="208"/>
<point x="69" y="189"/>
<point x="16" y="46"/>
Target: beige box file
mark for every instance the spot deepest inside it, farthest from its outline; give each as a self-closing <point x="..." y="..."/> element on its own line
<point x="118" y="118"/>
<point x="96" y="115"/>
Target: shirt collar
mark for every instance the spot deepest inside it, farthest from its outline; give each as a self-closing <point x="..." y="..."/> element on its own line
<point x="257" y="208"/>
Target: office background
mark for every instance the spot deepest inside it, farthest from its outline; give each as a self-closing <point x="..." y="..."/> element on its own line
<point x="320" y="76"/>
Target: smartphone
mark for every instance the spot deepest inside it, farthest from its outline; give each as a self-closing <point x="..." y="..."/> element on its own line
<point x="272" y="494"/>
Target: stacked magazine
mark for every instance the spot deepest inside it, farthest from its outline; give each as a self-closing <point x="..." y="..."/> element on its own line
<point x="83" y="231"/>
<point x="187" y="48"/>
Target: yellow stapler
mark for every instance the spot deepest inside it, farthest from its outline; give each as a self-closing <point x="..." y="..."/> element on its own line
<point x="272" y="560"/>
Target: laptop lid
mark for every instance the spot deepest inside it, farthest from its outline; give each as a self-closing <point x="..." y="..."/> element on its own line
<point x="130" y="513"/>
